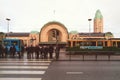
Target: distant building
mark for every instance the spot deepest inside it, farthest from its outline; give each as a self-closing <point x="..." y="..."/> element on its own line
<point x="95" y="38"/>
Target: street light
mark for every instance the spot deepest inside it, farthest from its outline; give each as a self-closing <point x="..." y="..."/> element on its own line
<point x="8" y="26"/>
<point x="89" y="24"/>
<point x="57" y="46"/>
<point x="89" y="27"/>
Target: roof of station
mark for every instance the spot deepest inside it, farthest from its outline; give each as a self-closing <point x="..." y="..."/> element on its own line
<point x="92" y="34"/>
<point x="54" y="22"/>
<point x="17" y="34"/>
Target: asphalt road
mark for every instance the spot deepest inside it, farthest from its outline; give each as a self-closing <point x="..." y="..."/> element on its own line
<point x="83" y="70"/>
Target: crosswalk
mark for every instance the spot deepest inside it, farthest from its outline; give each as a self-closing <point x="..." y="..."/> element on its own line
<point x="23" y="69"/>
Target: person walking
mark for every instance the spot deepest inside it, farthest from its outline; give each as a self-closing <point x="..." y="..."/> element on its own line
<point x="37" y="49"/>
<point x="22" y="51"/>
<point x="51" y="49"/>
<point x="28" y="51"/>
<point x="6" y="51"/>
<point x="31" y="51"/>
<point x="45" y="52"/>
<point x="42" y="52"/>
<point x="57" y="51"/>
<point x="13" y="51"/>
<point x="1" y="51"/>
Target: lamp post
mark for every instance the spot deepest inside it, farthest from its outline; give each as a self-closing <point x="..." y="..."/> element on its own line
<point x="57" y="46"/>
<point x="89" y="24"/>
<point x="89" y="28"/>
<point x="8" y="26"/>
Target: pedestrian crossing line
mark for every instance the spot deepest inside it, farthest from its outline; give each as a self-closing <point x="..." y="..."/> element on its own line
<point x="20" y="78"/>
<point x="24" y="61"/>
<point x="23" y="67"/>
<point x="22" y="72"/>
<point x="25" y="64"/>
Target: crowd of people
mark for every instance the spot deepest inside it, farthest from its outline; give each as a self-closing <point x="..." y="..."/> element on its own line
<point x="42" y="52"/>
<point x="5" y="51"/>
<point x="37" y="52"/>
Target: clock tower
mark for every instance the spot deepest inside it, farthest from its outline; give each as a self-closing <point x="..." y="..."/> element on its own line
<point x="98" y="22"/>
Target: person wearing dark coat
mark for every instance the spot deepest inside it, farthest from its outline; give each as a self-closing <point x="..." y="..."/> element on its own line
<point x="57" y="51"/>
<point x="37" y="49"/>
<point x="13" y="50"/>
<point x="45" y="52"/>
<point x="1" y="51"/>
<point x="42" y="52"/>
<point x="22" y="51"/>
<point x="51" y="49"/>
<point x="6" y="51"/>
<point x="31" y="49"/>
<point x="28" y="51"/>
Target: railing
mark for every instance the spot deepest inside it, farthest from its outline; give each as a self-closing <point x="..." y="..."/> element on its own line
<point x="96" y="54"/>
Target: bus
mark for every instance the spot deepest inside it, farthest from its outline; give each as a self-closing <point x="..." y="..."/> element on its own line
<point x="18" y="43"/>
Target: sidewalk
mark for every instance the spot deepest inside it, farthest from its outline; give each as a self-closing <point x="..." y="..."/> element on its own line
<point x="64" y="56"/>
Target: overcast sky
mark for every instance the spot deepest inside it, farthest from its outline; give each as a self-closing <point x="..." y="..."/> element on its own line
<point x="29" y="15"/>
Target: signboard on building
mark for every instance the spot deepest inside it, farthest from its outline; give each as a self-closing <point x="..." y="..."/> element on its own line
<point x="91" y="47"/>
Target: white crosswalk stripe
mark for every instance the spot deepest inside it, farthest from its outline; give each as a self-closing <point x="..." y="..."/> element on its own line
<point x="25" y="63"/>
<point x="24" y="67"/>
<point x="15" y="69"/>
<point x="20" y="78"/>
<point x="22" y="72"/>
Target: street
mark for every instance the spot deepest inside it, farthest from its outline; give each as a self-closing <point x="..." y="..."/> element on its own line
<point x="83" y="70"/>
<point x="46" y="69"/>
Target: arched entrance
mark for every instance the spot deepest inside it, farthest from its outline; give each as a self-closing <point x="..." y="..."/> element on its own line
<point x="54" y="35"/>
<point x="52" y="32"/>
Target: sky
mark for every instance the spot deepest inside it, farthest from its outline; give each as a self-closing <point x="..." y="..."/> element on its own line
<point x="31" y="15"/>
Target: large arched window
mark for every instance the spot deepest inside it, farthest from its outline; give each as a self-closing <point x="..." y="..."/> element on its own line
<point x="54" y="35"/>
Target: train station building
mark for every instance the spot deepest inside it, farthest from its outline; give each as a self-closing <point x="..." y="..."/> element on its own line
<point x="55" y="32"/>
